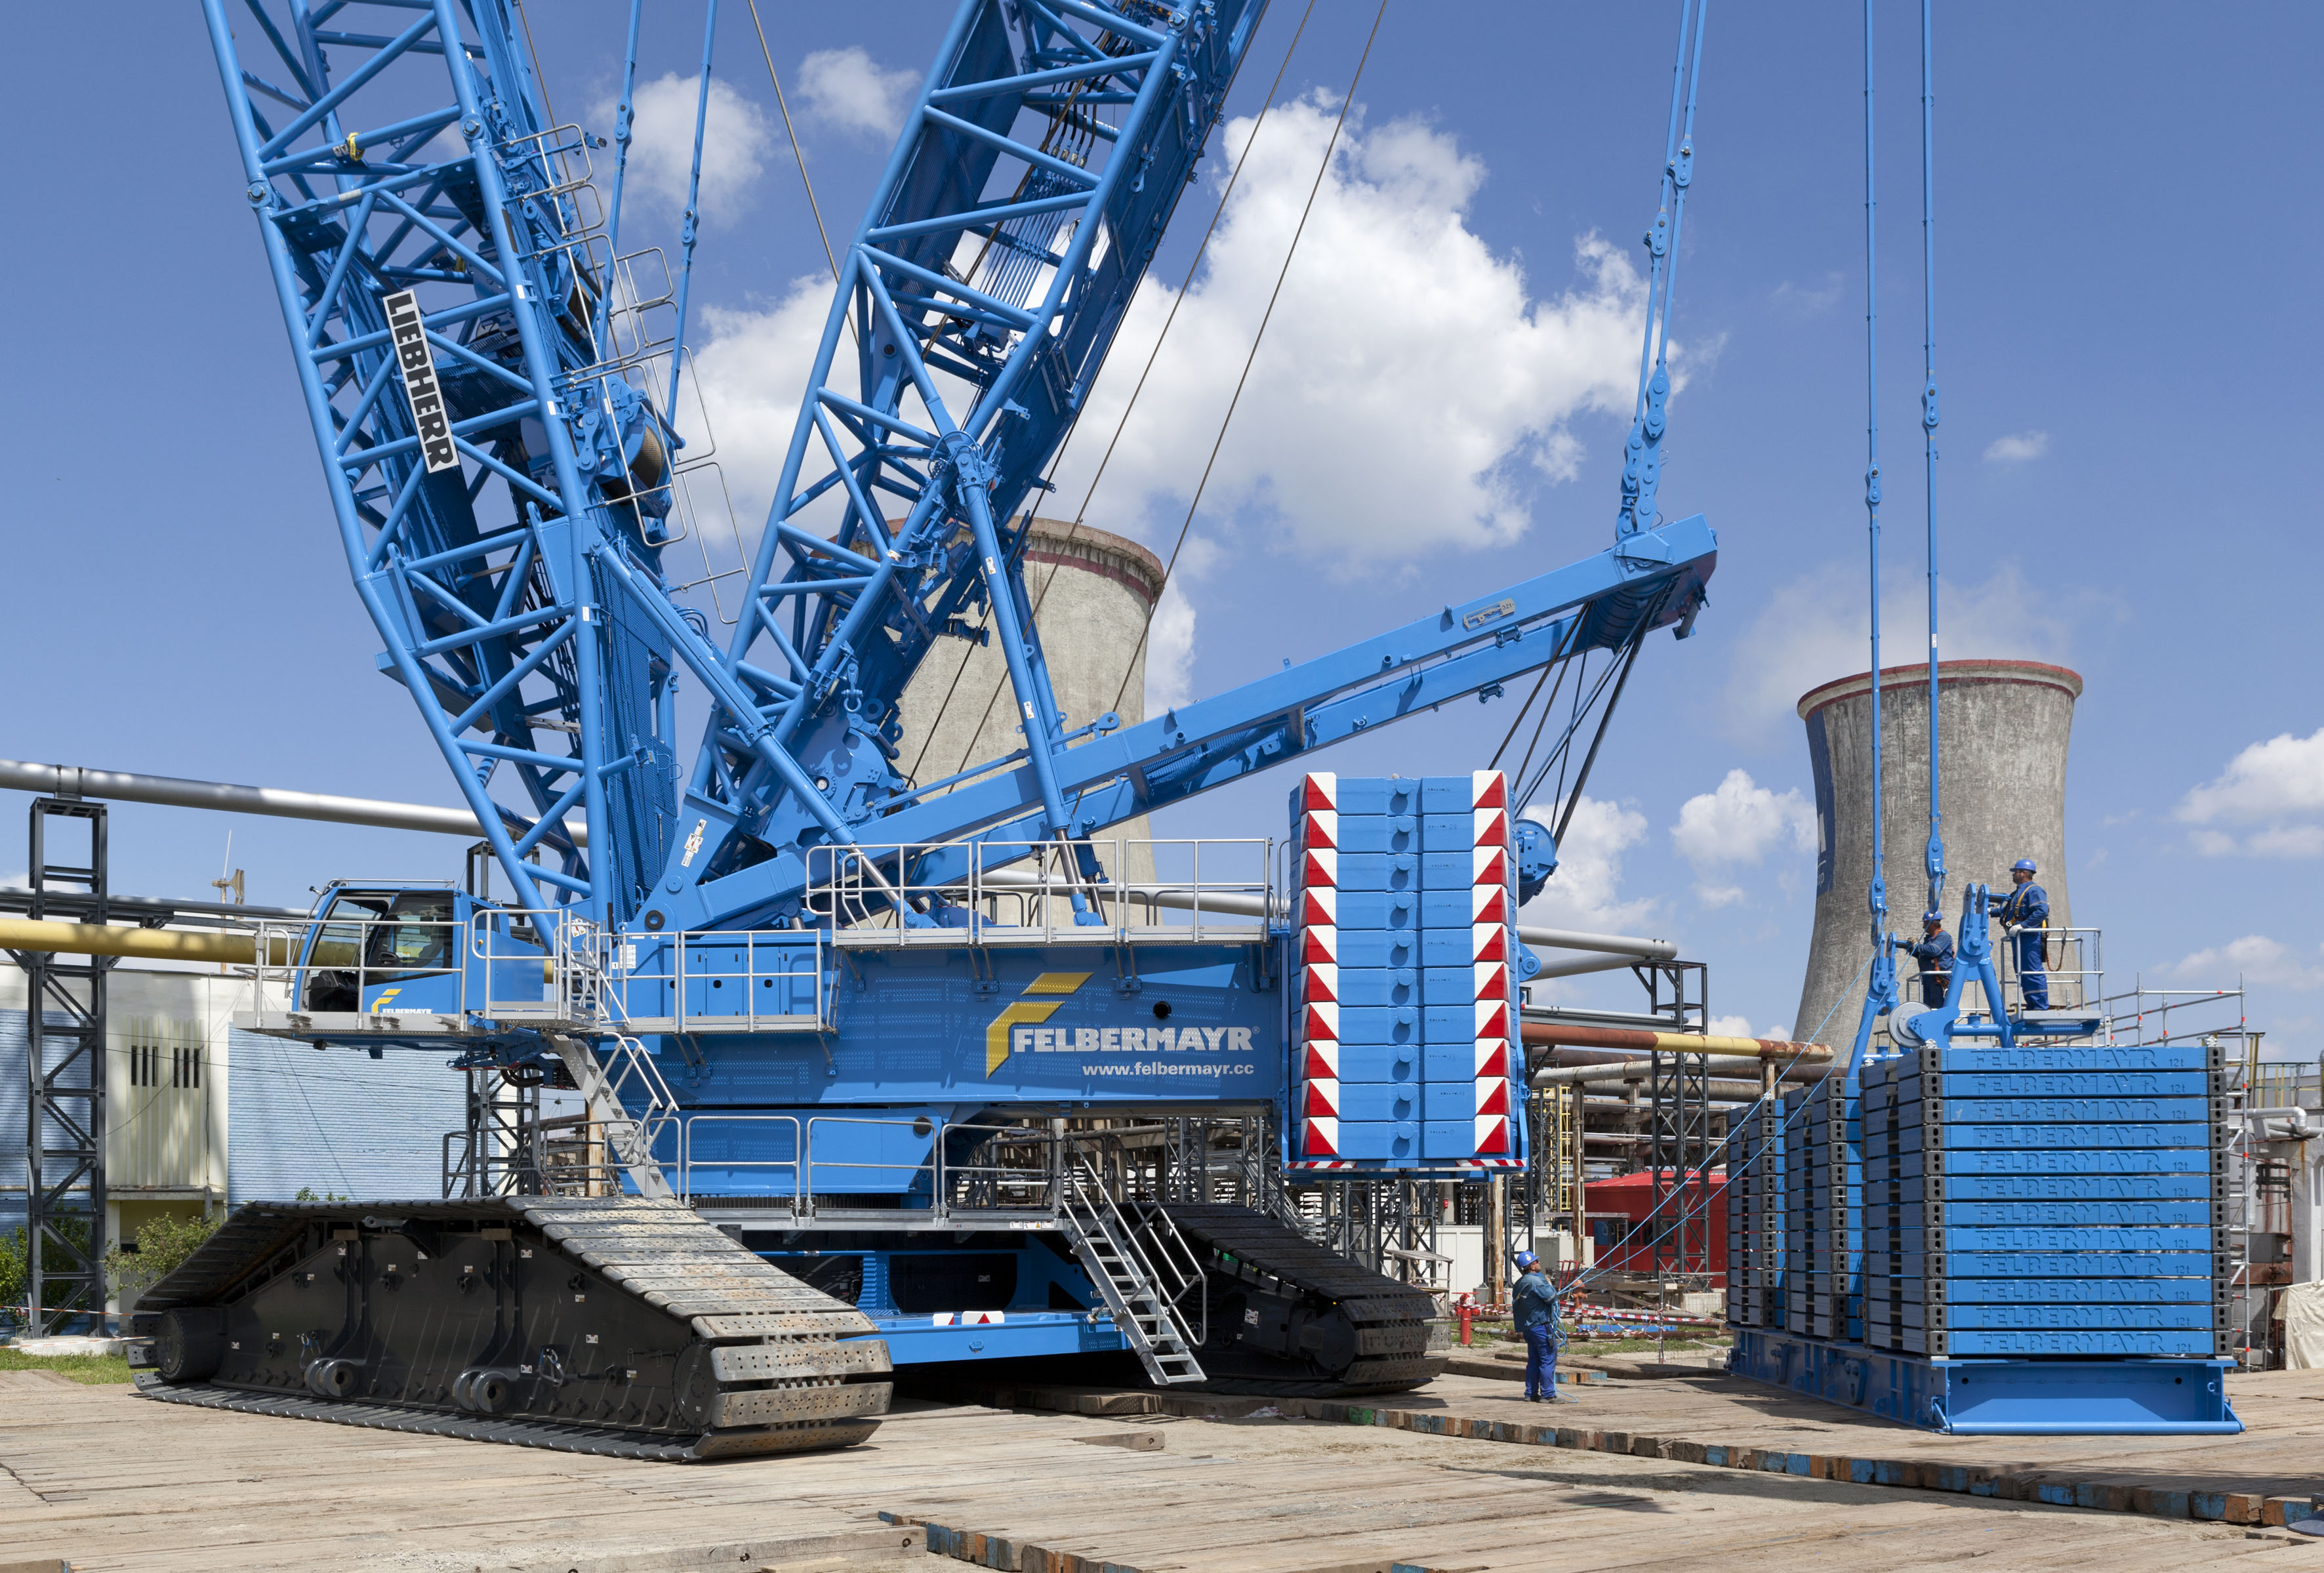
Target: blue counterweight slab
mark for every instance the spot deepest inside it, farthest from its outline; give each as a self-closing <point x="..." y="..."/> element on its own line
<point x="1361" y="988"/>
<point x="2049" y="1189"/>
<point x="2143" y="1214"/>
<point x="2042" y="1111"/>
<point x="2025" y="1396"/>
<point x="1376" y="909"/>
<point x="2140" y="1290"/>
<point x="2194" y="1160"/>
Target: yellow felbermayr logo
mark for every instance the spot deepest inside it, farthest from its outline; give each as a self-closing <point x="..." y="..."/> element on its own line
<point x="1028" y="1012"/>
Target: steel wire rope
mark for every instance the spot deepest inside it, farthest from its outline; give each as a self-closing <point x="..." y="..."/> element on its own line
<point x="1580" y="705"/>
<point x="1323" y="169"/>
<point x="1542" y="725"/>
<point x="798" y="153"/>
<point x="1559" y="660"/>
<point x="1081" y="514"/>
<point x="1605" y="724"/>
<point x="1588" y="1273"/>
<point x="1494" y="762"/>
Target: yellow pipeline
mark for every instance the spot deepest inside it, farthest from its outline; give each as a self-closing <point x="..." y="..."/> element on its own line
<point x="151" y="944"/>
<point x="1603" y="1037"/>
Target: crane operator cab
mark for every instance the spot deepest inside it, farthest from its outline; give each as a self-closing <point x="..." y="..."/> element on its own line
<point x="387" y="956"/>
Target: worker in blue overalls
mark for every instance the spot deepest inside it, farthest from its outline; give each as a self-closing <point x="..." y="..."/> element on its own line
<point x="1934" y="951"/>
<point x="1533" y="1306"/>
<point x="2025" y="913"/>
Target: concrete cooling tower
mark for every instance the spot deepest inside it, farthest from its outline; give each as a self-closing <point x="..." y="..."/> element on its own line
<point x="2003" y="726"/>
<point x="1094" y="591"/>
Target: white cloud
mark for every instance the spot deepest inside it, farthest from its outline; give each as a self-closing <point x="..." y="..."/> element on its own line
<point x="735" y="140"/>
<point x="1735" y="1026"/>
<point x="1736" y="826"/>
<point x="1817" y="629"/>
<point x="1411" y="393"/>
<point x="2017" y="447"/>
<point x="1806" y="300"/>
<point x="1585" y="893"/>
<point x="2288" y="841"/>
<point x="847" y="88"/>
<point x="2279" y="778"/>
<point x="751" y="367"/>
<point x="1170" y="641"/>
<point x="2253" y="958"/>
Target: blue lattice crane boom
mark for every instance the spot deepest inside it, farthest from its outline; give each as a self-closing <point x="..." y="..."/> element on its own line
<point x="501" y="630"/>
<point x="559" y="623"/>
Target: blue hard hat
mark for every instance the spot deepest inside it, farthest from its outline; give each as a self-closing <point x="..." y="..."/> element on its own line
<point x="1932" y="915"/>
<point x="2024" y="863"/>
<point x="1526" y="1260"/>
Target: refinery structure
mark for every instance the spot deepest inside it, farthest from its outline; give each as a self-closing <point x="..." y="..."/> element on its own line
<point x="867" y="1037"/>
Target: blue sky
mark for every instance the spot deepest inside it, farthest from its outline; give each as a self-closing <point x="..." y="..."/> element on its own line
<point x="2126" y="334"/>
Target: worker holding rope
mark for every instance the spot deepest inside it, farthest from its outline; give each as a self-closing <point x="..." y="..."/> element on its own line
<point x="1533" y="1306"/>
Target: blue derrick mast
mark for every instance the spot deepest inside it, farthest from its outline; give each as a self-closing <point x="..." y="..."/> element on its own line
<point x="848" y="1011"/>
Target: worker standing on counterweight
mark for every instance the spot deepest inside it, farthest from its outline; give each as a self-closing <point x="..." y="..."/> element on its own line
<point x="2025" y="913"/>
<point x="1934" y="951"/>
<point x="1533" y="1306"/>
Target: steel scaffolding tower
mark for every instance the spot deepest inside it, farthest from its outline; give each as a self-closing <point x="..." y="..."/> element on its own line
<point x="64" y="1060"/>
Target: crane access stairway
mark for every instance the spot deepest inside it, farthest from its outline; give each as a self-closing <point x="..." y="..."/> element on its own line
<point x="1144" y="1269"/>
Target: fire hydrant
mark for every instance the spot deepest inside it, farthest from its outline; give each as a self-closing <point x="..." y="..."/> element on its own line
<point x="1466" y="1309"/>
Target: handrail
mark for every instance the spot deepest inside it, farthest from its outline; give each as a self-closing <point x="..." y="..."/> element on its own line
<point x="1171" y="1279"/>
<point x="982" y="883"/>
<point x="801" y="1200"/>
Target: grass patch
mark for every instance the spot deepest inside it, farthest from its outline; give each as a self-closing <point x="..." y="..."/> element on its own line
<point x="94" y="1369"/>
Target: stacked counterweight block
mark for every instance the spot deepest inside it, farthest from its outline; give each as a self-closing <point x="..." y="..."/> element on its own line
<point x="1404" y="1027"/>
<point x="2045" y="1201"/>
<point x="1823" y="1240"/>
<point x="1755" y="1218"/>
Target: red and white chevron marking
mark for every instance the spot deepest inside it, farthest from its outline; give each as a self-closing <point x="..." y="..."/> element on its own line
<point x="1316" y="1119"/>
<point x="1492" y="951"/>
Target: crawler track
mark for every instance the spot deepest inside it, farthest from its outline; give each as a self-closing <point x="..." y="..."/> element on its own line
<point x="1289" y="1319"/>
<point x="615" y="1326"/>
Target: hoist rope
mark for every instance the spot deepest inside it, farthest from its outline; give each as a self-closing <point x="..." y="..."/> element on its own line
<point x="1330" y="147"/>
<point x="784" y="105"/>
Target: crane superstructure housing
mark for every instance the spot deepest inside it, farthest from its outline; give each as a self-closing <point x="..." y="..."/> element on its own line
<point x="842" y="1035"/>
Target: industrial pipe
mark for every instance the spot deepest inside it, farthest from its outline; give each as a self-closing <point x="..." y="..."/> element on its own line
<point x="1622" y="949"/>
<point x="1665" y="1042"/>
<point x="1637" y="1070"/>
<point x="177" y="792"/>
<point x="1587" y="963"/>
<point x="150" y="945"/>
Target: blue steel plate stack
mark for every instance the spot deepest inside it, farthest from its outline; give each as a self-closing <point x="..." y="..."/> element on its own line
<point x="1406" y="1045"/>
<point x="1755" y="1218"/>
<point x="1823" y="1239"/>
<point x="2045" y="1200"/>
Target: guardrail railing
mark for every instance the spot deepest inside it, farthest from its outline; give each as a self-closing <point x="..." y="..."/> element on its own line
<point x="1150" y="891"/>
<point x="874" y="1171"/>
<point x="2075" y="975"/>
<point x="411" y="968"/>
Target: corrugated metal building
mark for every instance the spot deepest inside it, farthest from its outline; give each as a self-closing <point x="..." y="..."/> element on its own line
<point x="200" y="1113"/>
